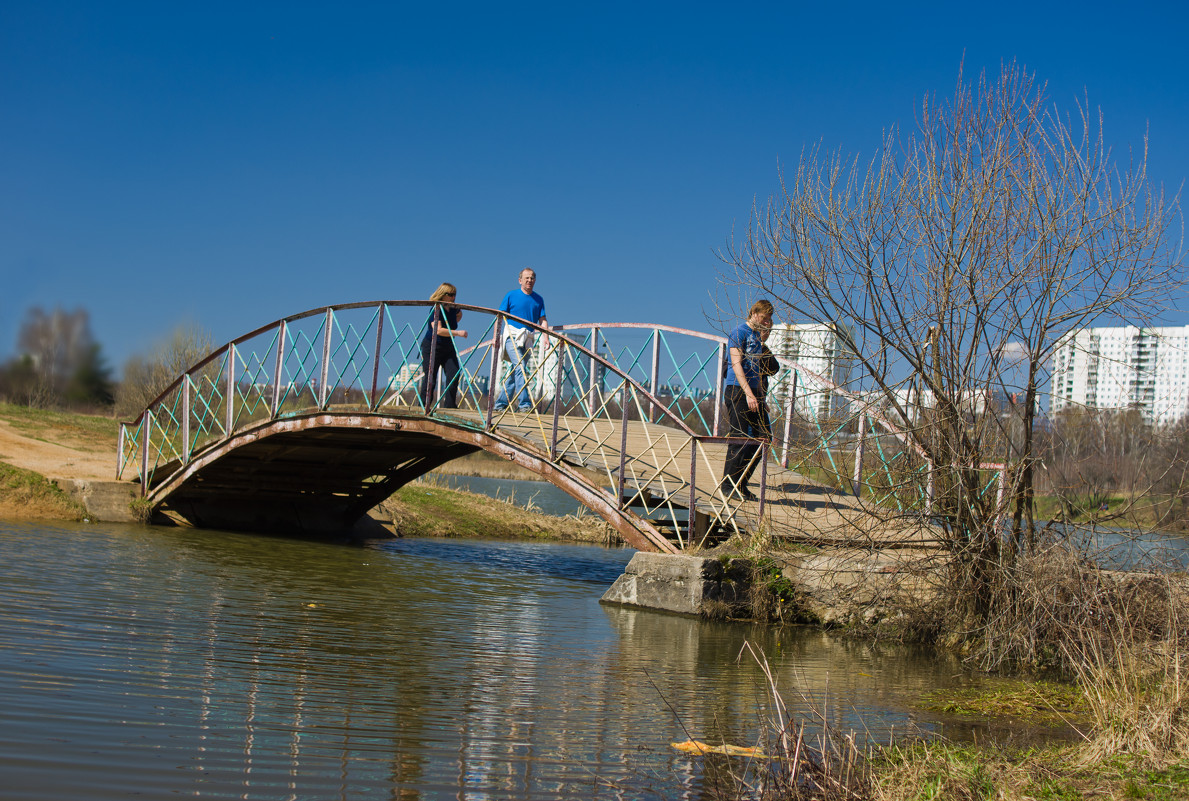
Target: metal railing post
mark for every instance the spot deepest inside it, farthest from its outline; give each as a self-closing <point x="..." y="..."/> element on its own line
<point x="120" y="450"/>
<point x="557" y="382"/>
<point x="790" y="403"/>
<point x="497" y="346"/>
<point x="276" y="387"/>
<point x="146" y="422"/>
<point x="654" y="374"/>
<point x="230" y="412"/>
<point x="858" y="476"/>
<point x="374" y="403"/>
<point x="186" y="418"/>
<point x="594" y="366"/>
<point x="763" y="479"/>
<point x="623" y="437"/>
<point x="693" y="487"/>
<point x="324" y="378"/>
<point x="722" y="349"/>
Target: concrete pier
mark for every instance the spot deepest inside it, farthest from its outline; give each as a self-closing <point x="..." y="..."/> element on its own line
<point x="106" y="501"/>
<point x="680" y="584"/>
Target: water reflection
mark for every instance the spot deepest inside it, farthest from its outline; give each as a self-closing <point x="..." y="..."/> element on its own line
<point x="161" y="661"/>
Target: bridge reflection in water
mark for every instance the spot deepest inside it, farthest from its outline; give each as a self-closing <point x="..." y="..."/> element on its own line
<point x="308" y="422"/>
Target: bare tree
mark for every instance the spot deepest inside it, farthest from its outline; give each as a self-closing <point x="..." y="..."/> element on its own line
<point x="956" y="259"/>
<point x="59" y="361"/>
<point x="147" y="376"/>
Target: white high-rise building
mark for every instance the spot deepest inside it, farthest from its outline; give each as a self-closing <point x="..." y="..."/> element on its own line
<point x="1124" y="368"/>
<point x="820" y="349"/>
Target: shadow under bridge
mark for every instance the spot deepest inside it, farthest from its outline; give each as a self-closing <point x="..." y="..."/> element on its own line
<point x="310" y="421"/>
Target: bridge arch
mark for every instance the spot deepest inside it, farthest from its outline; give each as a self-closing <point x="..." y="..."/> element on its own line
<point x="274" y="476"/>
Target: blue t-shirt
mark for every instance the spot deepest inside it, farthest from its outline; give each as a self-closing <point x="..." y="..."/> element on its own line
<point x="530" y="307"/>
<point x="746" y="339"/>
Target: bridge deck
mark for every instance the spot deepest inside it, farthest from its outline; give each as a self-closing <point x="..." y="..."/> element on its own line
<point x="795" y="507"/>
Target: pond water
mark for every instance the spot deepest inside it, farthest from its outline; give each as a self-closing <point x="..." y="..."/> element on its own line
<point x="147" y="661"/>
<point x="539" y="494"/>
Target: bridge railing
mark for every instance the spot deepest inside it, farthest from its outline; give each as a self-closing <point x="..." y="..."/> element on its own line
<point x="587" y="383"/>
<point x="820" y="428"/>
<point x="370" y="356"/>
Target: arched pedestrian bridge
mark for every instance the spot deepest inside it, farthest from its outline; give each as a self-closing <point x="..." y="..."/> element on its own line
<point x="310" y="421"/>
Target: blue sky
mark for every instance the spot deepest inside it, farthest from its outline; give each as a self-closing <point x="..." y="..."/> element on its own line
<point x="230" y="164"/>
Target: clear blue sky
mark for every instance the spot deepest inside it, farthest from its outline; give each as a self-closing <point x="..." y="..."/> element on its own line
<point x="232" y="163"/>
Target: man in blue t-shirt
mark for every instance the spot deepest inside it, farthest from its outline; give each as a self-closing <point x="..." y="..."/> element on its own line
<point x="743" y="396"/>
<point x="518" y="339"/>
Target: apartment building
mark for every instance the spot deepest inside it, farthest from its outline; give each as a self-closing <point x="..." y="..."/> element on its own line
<point x="1124" y="368"/>
<point x="820" y="349"/>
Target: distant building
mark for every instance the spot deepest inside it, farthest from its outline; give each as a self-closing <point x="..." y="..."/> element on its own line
<point x="916" y="403"/>
<point x="1124" y="368"/>
<point x="820" y="349"/>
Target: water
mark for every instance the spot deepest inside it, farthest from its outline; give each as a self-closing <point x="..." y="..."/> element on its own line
<point x="138" y="661"/>
<point x="546" y="497"/>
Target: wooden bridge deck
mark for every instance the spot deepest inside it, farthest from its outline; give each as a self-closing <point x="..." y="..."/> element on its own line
<point x="795" y="507"/>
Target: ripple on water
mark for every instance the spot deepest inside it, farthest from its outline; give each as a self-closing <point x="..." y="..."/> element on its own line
<point x="151" y="661"/>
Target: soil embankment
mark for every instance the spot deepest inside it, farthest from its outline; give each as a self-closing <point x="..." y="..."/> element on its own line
<point x="42" y="445"/>
<point x="56" y="453"/>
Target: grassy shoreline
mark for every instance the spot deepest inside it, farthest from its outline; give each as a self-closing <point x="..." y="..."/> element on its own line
<point x="428" y="508"/>
<point x="27" y="495"/>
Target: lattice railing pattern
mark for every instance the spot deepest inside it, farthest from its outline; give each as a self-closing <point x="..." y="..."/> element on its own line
<point x="818" y="429"/>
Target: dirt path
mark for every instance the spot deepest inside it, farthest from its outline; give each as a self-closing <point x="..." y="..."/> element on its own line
<point x="54" y="460"/>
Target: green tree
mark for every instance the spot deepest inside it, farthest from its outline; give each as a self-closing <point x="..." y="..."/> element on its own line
<point x="90" y="384"/>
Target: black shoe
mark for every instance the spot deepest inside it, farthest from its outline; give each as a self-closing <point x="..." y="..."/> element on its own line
<point x="738" y="491"/>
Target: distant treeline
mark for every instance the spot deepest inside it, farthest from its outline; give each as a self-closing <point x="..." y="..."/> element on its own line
<point x="59" y="365"/>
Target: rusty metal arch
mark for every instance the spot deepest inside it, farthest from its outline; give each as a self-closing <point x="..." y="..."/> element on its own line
<point x="179" y="494"/>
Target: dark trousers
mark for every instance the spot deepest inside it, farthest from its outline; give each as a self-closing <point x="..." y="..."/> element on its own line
<point x="445" y="358"/>
<point x="743" y="422"/>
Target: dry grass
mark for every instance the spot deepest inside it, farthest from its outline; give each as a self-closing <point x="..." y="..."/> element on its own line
<point x="427" y="508"/>
<point x="1135" y="676"/>
<point x="87" y="432"/>
<point x="488" y="465"/>
<point x="789" y="764"/>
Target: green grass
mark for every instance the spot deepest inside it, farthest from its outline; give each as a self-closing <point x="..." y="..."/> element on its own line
<point x="938" y="771"/>
<point x="1045" y="703"/>
<point x="93" y="432"/>
<point x="1164" y="784"/>
<point x="30" y="490"/>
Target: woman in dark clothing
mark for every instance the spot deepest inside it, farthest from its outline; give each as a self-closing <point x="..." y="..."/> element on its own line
<point x="444" y="323"/>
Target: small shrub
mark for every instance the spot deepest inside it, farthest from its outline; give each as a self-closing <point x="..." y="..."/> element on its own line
<point x="772" y="596"/>
<point x="142" y="510"/>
